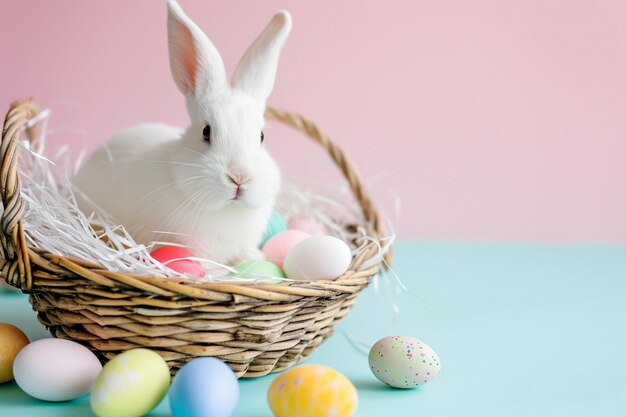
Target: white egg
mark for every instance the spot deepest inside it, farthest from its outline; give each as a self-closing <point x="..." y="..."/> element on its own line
<point x="55" y="369"/>
<point x="318" y="257"/>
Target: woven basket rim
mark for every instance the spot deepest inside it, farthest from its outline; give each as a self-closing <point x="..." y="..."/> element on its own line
<point x="18" y="255"/>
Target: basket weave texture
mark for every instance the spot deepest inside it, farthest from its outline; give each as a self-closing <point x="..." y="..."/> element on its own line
<point x="255" y="328"/>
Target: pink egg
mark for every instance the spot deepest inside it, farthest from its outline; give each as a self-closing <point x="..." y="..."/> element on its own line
<point x="277" y="247"/>
<point x="309" y="225"/>
<point x="184" y="266"/>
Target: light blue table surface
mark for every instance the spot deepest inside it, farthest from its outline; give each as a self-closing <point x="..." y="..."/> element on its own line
<point x="521" y="330"/>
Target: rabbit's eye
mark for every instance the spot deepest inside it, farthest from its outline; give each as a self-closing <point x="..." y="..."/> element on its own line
<point x="262" y="136"/>
<point x="206" y="133"/>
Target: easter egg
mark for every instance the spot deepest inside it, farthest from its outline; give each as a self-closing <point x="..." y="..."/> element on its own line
<point x="258" y="269"/>
<point x="130" y="385"/>
<point x="12" y="340"/>
<point x="55" y="369"/>
<point x="312" y="391"/>
<point x="275" y="224"/>
<point x="5" y="286"/>
<point x="403" y="362"/>
<point x="309" y="225"/>
<point x="184" y="266"/>
<point x="318" y="257"/>
<point x="277" y="247"/>
<point x="204" y="387"/>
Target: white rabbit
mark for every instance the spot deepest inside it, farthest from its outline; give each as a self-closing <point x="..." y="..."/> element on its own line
<point x="211" y="187"/>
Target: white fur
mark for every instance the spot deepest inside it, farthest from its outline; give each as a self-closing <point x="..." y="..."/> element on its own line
<point x="166" y="184"/>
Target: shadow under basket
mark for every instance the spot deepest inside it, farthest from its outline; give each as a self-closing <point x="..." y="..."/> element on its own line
<point x="255" y="328"/>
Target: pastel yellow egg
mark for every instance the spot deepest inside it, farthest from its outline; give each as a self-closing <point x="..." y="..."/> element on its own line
<point x="130" y="385"/>
<point x="312" y="391"/>
<point x="12" y="340"/>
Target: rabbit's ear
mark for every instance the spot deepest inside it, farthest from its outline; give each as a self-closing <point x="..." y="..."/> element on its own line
<point x="197" y="67"/>
<point x="256" y="71"/>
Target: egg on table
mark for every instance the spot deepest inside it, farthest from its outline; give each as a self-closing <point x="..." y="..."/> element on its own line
<point x="403" y="362"/>
<point x="5" y="286"/>
<point x="277" y="247"/>
<point x="318" y="257"/>
<point x="312" y="391"/>
<point x="12" y="340"/>
<point x="55" y="369"/>
<point x="130" y="385"/>
<point x="204" y="387"/>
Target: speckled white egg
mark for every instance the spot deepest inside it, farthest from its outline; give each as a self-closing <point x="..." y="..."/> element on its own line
<point x="403" y="362"/>
<point x="318" y="257"/>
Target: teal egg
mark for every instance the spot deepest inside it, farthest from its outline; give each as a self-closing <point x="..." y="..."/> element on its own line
<point x="275" y="224"/>
<point x="258" y="268"/>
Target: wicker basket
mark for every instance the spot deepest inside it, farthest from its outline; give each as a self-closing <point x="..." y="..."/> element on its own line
<point x="255" y="328"/>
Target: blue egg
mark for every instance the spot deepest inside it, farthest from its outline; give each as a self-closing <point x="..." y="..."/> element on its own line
<point x="275" y="224"/>
<point x="204" y="387"/>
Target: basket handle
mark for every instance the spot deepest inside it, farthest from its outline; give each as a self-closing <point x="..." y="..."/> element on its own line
<point x="15" y="259"/>
<point x="347" y="167"/>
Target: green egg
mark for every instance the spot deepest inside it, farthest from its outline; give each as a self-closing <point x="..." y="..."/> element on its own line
<point x="258" y="268"/>
<point x="130" y="385"/>
<point x="275" y="224"/>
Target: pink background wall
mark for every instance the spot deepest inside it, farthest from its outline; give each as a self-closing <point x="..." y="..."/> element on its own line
<point x="489" y="119"/>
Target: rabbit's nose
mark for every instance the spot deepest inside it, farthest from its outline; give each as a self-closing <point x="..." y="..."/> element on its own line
<point x="238" y="178"/>
<point x="237" y="173"/>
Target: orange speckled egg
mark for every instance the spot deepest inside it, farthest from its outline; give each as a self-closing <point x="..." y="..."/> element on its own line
<point x="12" y="340"/>
<point x="312" y="391"/>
